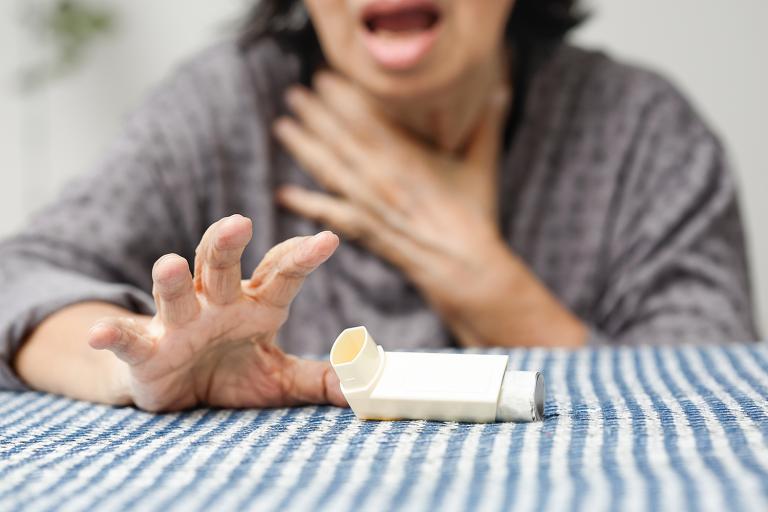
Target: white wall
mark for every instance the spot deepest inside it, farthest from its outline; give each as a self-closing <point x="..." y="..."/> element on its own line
<point x="54" y="134"/>
<point x="717" y="51"/>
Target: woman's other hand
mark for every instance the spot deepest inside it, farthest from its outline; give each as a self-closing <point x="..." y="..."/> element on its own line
<point x="212" y="340"/>
<point x="431" y="213"/>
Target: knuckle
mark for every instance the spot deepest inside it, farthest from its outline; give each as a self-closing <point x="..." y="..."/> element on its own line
<point x="292" y="270"/>
<point x="169" y="294"/>
<point x="273" y="251"/>
<point x="356" y="229"/>
<point x="391" y="192"/>
<point x="274" y="311"/>
<point x="222" y="259"/>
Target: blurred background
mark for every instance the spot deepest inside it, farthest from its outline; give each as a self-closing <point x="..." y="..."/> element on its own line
<point x="69" y="71"/>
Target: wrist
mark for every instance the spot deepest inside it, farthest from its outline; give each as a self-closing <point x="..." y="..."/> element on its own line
<point x="488" y="302"/>
<point x="458" y="285"/>
<point x="504" y="304"/>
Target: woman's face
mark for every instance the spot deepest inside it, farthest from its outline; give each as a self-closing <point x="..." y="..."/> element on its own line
<point x="403" y="49"/>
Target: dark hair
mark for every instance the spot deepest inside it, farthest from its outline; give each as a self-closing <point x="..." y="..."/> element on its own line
<point x="286" y="22"/>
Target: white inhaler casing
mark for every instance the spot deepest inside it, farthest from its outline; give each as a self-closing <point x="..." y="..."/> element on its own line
<point x="432" y="386"/>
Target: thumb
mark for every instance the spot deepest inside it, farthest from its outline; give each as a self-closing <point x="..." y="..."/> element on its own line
<point x="315" y="382"/>
<point x="483" y="148"/>
<point x="124" y="337"/>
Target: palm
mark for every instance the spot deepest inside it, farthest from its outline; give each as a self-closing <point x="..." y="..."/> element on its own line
<point x="216" y="359"/>
<point x="212" y="340"/>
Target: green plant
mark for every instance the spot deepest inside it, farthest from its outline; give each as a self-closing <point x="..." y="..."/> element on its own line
<point x="67" y="28"/>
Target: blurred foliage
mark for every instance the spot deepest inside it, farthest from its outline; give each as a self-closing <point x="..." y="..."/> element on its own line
<point x="67" y="29"/>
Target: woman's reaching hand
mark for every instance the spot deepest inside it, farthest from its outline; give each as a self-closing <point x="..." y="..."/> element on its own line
<point x="212" y="340"/>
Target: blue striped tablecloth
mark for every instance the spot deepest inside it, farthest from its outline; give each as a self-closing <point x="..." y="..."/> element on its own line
<point x="625" y="429"/>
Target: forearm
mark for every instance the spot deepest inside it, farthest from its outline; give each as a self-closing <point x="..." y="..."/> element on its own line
<point x="56" y="356"/>
<point x="502" y="303"/>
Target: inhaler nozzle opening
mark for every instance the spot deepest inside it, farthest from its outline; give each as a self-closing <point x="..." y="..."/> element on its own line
<point x="355" y="357"/>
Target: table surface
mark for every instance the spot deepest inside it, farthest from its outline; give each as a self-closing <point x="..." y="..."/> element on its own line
<point x="624" y="429"/>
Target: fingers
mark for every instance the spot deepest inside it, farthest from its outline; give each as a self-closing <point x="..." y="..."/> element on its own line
<point x="346" y="100"/>
<point x="124" y="337"/>
<point x="331" y="211"/>
<point x="217" y="259"/>
<point x="314" y="382"/>
<point x="388" y="238"/>
<point x="336" y="149"/>
<point x="173" y="291"/>
<point x="323" y="123"/>
<point x="281" y="273"/>
<point x="355" y="219"/>
<point x="322" y="163"/>
<point x="315" y="156"/>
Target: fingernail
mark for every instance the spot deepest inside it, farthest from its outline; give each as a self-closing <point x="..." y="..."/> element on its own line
<point x="280" y="125"/>
<point x="293" y="95"/>
<point x="166" y="277"/>
<point x="324" y="234"/>
<point x="236" y="218"/>
<point x="285" y="190"/>
<point x="116" y="334"/>
<point x="160" y="260"/>
<point x="500" y="98"/>
<point x="320" y="77"/>
<point x="95" y="327"/>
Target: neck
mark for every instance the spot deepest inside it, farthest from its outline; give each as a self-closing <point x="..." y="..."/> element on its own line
<point x="447" y="119"/>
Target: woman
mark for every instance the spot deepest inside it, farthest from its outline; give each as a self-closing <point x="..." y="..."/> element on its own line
<point x="493" y="186"/>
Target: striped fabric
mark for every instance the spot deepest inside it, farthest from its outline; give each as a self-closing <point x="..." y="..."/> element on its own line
<point x="625" y="429"/>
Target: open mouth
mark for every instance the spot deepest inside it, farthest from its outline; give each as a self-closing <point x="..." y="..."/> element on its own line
<point x="399" y="17"/>
<point x="399" y="33"/>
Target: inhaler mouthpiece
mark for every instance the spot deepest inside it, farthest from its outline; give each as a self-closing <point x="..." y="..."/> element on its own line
<point x="356" y="358"/>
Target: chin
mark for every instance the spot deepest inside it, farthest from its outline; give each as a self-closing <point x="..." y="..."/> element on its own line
<point x="423" y="84"/>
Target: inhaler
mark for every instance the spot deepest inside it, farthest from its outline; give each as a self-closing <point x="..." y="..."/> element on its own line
<point x="432" y="386"/>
